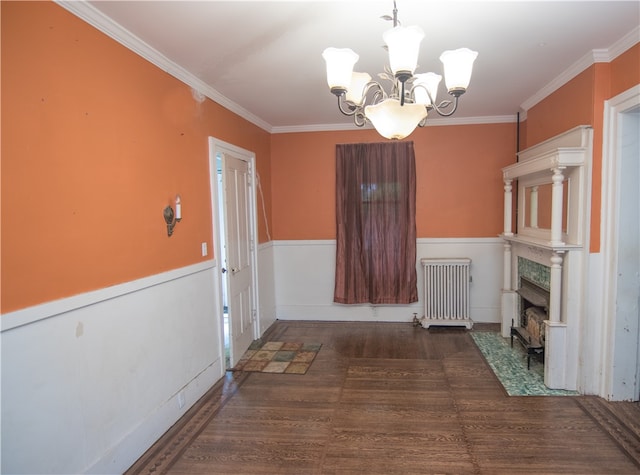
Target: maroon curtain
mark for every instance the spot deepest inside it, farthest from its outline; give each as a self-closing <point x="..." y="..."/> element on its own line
<point x="376" y="224"/>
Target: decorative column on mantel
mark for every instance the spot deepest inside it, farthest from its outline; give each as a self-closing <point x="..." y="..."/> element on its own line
<point x="508" y="200"/>
<point x="509" y="303"/>
<point x="555" y="285"/>
<point x="534" y="207"/>
<point x="556" y="207"/>
<point x="555" y="330"/>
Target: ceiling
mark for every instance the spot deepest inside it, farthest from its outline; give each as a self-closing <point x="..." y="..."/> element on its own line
<point x="263" y="58"/>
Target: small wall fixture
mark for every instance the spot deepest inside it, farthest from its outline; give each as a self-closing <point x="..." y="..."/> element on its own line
<point x="172" y="218"/>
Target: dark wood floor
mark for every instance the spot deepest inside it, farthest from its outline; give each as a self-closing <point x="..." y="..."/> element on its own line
<point x="392" y="399"/>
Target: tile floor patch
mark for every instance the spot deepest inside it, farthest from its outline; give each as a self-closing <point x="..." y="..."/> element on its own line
<point x="278" y="357"/>
<point x="510" y="366"/>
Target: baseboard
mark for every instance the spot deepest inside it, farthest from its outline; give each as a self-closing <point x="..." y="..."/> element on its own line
<point x="371" y="313"/>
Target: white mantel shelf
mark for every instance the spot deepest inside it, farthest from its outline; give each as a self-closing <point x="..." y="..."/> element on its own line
<point x="558" y="158"/>
<point x="541" y="243"/>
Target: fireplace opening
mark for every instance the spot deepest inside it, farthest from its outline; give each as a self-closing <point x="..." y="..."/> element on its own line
<point x="534" y="310"/>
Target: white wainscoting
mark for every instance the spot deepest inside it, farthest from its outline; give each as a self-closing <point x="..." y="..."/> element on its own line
<point x="304" y="276"/>
<point x="90" y="382"/>
<point x="266" y="286"/>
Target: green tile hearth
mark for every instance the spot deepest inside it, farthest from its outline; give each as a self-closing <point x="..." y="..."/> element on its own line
<point x="510" y="366"/>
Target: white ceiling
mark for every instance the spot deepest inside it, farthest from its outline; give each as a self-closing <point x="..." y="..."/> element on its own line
<point x="264" y="57"/>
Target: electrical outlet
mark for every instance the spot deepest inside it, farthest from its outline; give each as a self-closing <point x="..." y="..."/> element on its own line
<point x="181" y="401"/>
<point x="204" y="249"/>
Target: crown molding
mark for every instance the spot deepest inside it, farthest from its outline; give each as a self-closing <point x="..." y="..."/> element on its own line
<point x="594" y="56"/>
<point x="487" y="119"/>
<point x="97" y="19"/>
<point x="523" y="115"/>
<point x="624" y="43"/>
<point x="286" y="129"/>
<point x="498" y="119"/>
<point x="568" y="74"/>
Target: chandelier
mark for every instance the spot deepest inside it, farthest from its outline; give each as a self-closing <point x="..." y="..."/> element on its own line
<point x="396" y="114"/>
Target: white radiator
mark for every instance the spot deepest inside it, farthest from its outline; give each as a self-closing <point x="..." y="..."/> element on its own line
<point x="446" y="292"/>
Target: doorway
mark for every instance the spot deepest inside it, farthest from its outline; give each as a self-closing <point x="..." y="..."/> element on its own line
<point x="233" y="196"/>
<point x="621" y="246"/>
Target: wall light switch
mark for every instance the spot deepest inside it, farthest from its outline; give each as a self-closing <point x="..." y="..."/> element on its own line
<point x="204" y="249"/>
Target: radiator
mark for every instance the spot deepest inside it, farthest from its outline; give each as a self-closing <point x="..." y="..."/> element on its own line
<point x="446" y="292"/>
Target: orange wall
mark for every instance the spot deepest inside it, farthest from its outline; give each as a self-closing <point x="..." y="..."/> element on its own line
<point x="459" y="180"/>
<point x="581" y="102"/>
<point x="625" y="71"/>
<point x="96" y="141"/>
<point x="569" y="106"/>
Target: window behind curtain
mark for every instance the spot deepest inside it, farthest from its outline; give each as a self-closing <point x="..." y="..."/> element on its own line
<point x="376" y="225"/>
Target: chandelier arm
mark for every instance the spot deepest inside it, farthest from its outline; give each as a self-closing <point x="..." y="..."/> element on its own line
<point x="440" y="108"/>
<point x="342" y="102"/>
<point x="412" y="95"/>
<point x="377" y="95"/>
<point x="382" y="95"/>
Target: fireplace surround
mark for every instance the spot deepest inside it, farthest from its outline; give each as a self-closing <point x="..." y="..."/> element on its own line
<point x="534" y="310"/>
<point x="548" y="247"/>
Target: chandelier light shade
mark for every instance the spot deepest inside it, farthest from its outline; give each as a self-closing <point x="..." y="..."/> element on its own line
<point x="426" y="88"/>
<point x="395" y="121"/>
<point x="340" y="62"/>
<point x="355" y="91"/>
<point x="403" y="45"/>
<point x="457" y="68"/>
<point x="396" y="113"/>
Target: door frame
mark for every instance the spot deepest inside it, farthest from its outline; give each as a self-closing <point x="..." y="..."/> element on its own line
<point x="614" y="113"/>
<point x="219" y="146"/>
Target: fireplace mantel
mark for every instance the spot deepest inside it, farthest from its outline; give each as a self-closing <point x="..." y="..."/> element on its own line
<point x="551" y="189"/>
<point x="553" y="184"/>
